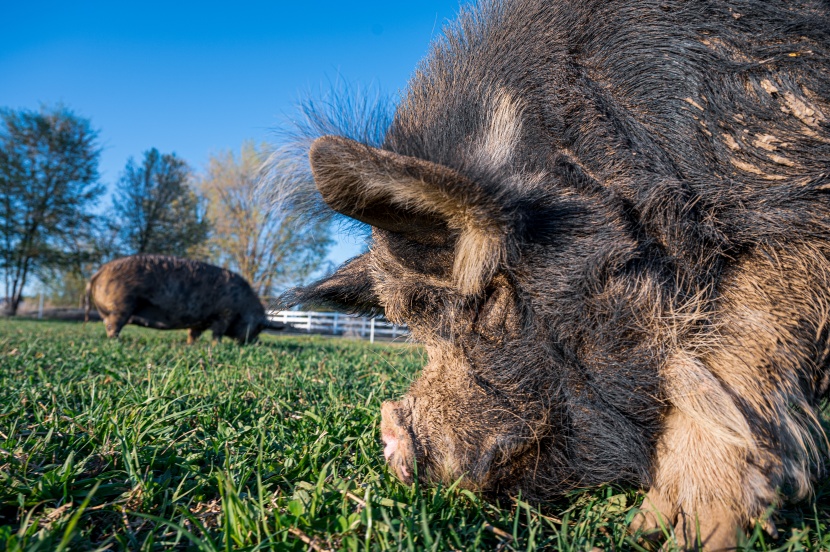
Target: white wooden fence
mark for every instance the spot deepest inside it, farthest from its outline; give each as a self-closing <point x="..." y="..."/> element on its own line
<point x="335" y="323"/>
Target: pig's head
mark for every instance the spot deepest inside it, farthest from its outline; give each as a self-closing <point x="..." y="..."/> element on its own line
<point x="469" y="268"/>
<point x="246" y="327"/>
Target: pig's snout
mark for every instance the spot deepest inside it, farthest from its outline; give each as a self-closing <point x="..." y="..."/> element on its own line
<point x="391" y="445"/>
<point x="398" y="448"/>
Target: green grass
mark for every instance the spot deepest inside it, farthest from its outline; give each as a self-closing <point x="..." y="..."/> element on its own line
<point x="148" y="444"/>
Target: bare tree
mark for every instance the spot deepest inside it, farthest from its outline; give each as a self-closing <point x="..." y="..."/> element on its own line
<point x="48" y="184"/>
<point x="156" y="209"/>
<point x="267" y="247"/>
<point x="65" y="284"/>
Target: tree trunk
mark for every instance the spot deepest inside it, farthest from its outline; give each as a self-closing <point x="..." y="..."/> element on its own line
<point x="11" y="309"/>
<point x="19" y="282"/>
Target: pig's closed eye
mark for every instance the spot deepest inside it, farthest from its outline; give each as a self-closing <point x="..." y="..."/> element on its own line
<point x="497" y="315"/>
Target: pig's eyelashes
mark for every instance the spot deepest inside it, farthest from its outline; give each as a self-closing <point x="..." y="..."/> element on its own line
<point x="498" y="317"/>
<point x="491" y="316"/>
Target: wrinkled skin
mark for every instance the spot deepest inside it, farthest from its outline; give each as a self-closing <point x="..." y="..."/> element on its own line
<point x="608" y="223"/>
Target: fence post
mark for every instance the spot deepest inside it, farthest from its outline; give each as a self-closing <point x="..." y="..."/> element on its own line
<point x="334" y="326"/>
<point x="372" y="331"/>
<point x="308" y="324"/>
<point x="394" y="331"/>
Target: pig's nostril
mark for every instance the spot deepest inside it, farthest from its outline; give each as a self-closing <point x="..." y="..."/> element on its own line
<point x="397" y="446"/>
<point x="391" y="446"/>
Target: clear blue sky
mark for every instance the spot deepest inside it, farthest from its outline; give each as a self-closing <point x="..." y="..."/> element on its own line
<point x="196" y="78"/>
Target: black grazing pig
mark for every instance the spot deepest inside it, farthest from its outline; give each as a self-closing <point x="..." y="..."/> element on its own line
<point x="609" y="223"/>
<point x="170" y="293"/>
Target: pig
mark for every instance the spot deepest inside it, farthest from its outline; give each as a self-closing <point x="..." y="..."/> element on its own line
<point x="167" y="293"/>
<point x="608" y="222"/>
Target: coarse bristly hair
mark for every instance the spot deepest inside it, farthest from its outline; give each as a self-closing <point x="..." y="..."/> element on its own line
<point x="165" y="292"/>
<point x="609" y="224"/>
<point x="286" y="182"/>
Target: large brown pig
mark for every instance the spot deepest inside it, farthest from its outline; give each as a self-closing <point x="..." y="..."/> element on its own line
<point x="168" y="293"/>
<point x="609" y="223"/>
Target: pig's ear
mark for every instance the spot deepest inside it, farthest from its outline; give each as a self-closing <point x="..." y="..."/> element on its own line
<point x="411" y="196"/>
<point x="349" y="289"/>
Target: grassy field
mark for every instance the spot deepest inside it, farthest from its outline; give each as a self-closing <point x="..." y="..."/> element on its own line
<point x="148" y="444"/>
